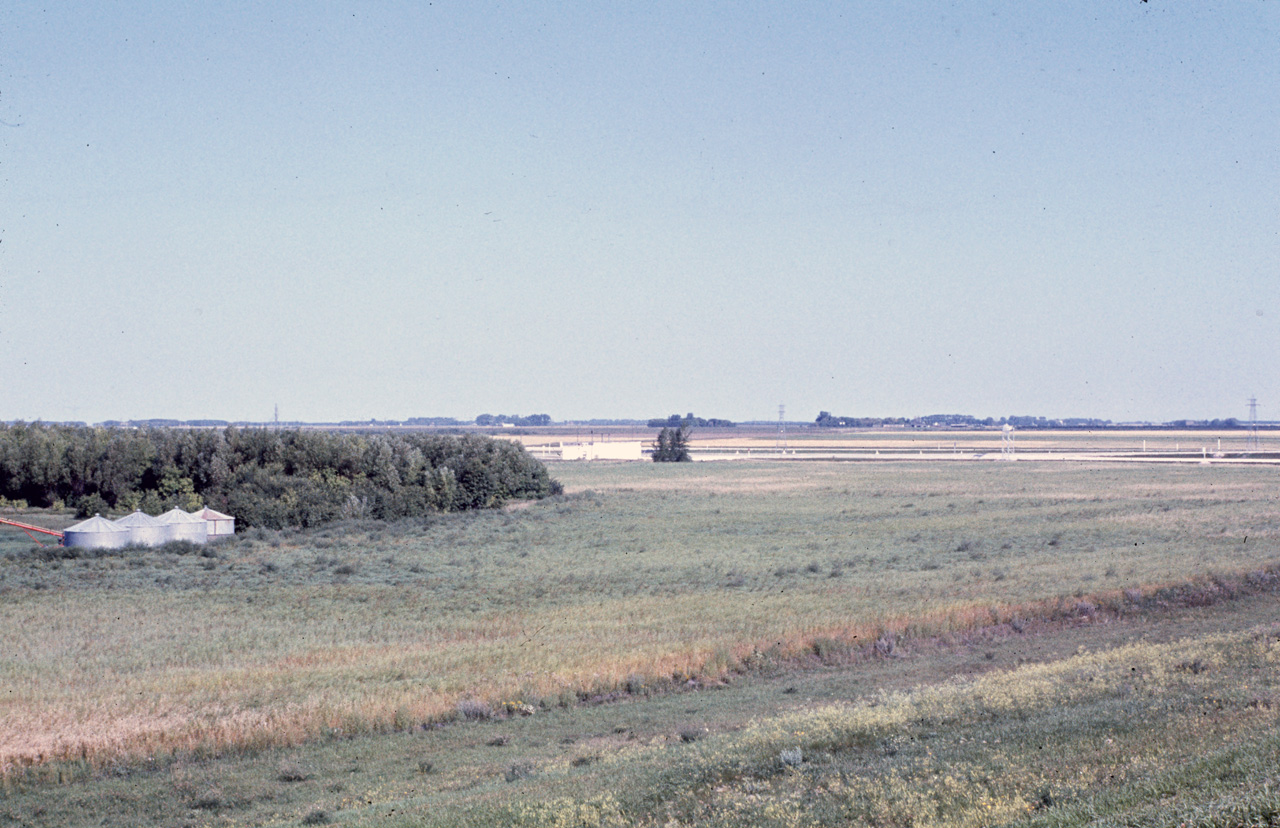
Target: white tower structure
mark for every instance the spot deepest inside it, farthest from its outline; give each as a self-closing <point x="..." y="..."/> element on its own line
<point x="1006" y="442"/>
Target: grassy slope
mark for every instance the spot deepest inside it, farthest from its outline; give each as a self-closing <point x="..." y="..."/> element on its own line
<point x="1146" y="720"/>
<point x="659" y="570"/>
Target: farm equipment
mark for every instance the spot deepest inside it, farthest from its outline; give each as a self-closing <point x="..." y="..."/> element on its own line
<point x="30" y="530"/>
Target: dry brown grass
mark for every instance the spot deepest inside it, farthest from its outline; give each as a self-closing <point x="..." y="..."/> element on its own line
<point x="664" y="574"/>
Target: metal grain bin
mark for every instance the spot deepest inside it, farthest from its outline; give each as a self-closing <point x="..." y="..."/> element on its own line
<point x="144" y="530"/>
<point x="96" y="533"/>
<point x="220" y="525"/>
<point x="181" y="526"/>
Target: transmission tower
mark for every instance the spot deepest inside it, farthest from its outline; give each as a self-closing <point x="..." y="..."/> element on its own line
<point x="782" y="428"/>
<point x="1253" y="424"/>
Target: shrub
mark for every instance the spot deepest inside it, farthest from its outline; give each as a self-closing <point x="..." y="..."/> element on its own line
<point x="291" y="772"/>
<point x="828" y="649"/>
<point x="473" y="710"/>
<point x="691" y="734"/>
<point x="185" y="547"/>
<point x="210" y="800"/>
<point x="518" y="771"/>
<point x="90" y="505"/>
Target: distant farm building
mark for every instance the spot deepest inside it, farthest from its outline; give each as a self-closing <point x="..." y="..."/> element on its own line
<point x="622" y="450"/>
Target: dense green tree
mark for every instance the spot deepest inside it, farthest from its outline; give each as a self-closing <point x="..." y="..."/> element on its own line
<point x="672" y="446"/>
<point x="265" y="478"/>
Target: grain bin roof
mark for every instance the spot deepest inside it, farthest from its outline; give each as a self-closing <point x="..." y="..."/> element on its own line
<point x="176" y="515"/>
<point x="97" y="523"/>
<point x="209" y="514"/>
<point x="137" y="519"/>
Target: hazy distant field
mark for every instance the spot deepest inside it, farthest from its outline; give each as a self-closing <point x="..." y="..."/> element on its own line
<point x="745" y="441"/>
<point x="642" y="573"/>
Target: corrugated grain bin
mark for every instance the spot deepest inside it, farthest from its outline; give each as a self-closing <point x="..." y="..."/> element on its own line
<point x="96" y="533"/>
<point x="144" y="530"/>
<point x="220" y="525"/>
<point x="181" y="526"/>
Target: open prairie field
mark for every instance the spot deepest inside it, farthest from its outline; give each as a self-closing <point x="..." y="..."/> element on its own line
<point x="799" y="443"/>
<point x="161" y="681"/>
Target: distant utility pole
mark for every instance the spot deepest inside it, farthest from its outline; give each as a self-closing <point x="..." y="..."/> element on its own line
<point x="1253" y="424"/>
<point x="782" y="428"/>
<point x="276" y="420"/>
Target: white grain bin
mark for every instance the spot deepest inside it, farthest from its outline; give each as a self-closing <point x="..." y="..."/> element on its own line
<point x="181" y="526"/>
<point x="96" y="533"/>
<point x="220" y="525"/>
<point x="144" y="530"/>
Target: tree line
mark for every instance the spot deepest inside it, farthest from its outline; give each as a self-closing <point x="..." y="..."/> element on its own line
<point x="265" y="478"/>
<point x="513" y="419"/>
<point x="828" y="420"/>
<point x="689" y="421"/>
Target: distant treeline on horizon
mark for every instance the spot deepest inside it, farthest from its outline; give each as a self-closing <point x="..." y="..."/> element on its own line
<point x="827" y="420"/>
<point x="824" y="420"/>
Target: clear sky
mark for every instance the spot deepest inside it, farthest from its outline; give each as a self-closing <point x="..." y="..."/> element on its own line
<point x="399" y="209"/>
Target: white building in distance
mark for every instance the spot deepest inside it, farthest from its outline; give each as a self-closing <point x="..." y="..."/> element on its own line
<point x="622" y="450"/>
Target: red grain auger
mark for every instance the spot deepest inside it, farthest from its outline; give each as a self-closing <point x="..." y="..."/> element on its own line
<point x="29" y="529"/>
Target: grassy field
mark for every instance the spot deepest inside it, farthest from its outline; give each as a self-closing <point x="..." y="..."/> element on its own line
<point x="176" y="674"/>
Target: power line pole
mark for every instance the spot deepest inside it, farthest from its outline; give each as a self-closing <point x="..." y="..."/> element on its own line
<point x="782" y="428"/>
<point x="1253" y="424"/>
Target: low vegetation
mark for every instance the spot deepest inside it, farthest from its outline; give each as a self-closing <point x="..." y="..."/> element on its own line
<point x="1174" y="733"/>
<point x="1151" y="720"/>
<point x="468" y="647"/>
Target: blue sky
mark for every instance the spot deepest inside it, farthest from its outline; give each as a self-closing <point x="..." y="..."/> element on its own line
<point x="390" y="210"/>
